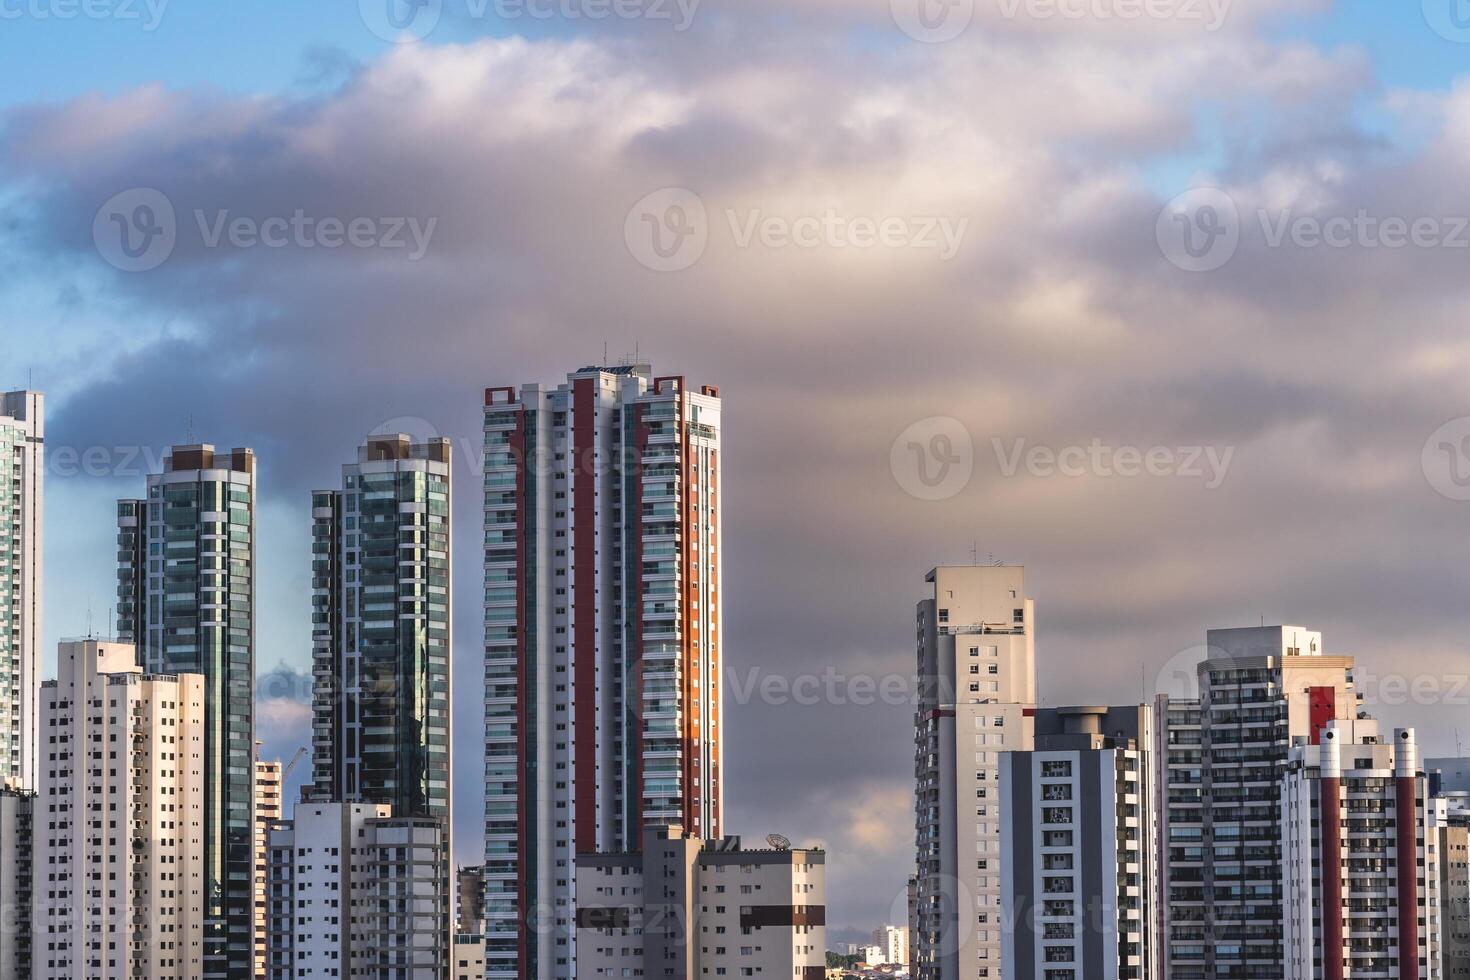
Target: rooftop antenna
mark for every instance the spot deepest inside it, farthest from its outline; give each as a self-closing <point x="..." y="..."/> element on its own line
<point x="604" y="353"/>
<point x="975" y="553"/>
<point x="90" y="634"/>
<point x="189" y="433"/>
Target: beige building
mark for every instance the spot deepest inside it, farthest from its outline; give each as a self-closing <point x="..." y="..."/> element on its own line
<point x="977" y="694"/>
<point x="119" y="859"/>
<point x="1454" y="888"/>
<point x="894" y="942"/>
<point x="468" y="959"/>
<point x="687" y="909"/>
<point x="267" y="812"/>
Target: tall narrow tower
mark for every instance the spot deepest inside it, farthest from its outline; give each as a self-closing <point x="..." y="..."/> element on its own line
<point x="22" y="473"/>
<point x="381" y="599"/>
<point x="186" y="598"/>
<point x="603" y="640"/>
<point x="977" y="699"/>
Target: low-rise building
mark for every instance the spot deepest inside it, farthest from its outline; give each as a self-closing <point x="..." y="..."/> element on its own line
<point x="469" y="956"/>
<point x="687" y="908"/>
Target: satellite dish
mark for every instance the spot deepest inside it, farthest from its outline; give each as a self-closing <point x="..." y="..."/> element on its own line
<point x="778" y="842"/>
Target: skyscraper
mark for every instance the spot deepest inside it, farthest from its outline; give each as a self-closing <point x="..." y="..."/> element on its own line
<point x="977" y="699"/>
<point x="381" y="635"/>
<point x="603" y="640"/>
<point x="22" y="474"/>
<point x="267" y="812"/>
<point x="186" y="597"/>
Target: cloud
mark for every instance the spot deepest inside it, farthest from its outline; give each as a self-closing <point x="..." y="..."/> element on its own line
<point x="1059" y="322"/>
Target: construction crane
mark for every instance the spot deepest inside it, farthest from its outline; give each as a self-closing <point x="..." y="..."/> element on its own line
<point x="286" y="772"/>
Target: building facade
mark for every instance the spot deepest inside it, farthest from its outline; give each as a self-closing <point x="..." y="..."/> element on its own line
<point x="469" y="915"/>
<point x="17" y="859"/>
<point x="977" y="696"/>
<point x="894" y="942"/>
<point x="119" y="827"/>
<point x="267" y="812"/>
<point x="603" y="640"/>
<point x="1078" y="846"/>
<point x="382" y="630"/>
<point x="22" y="482"/>
<point x="684" y="909"/>
<point x="1454" y="886"/>
<point x="1360" y="858"/>
<point x="186" y="598"/>
<point x="356" y="891"/>
<point x="1262" y="689"/>
<point x="1178" y="758"/>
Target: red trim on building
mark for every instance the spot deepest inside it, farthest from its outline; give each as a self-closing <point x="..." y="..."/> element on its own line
<point x="1323" y="710"/>
<point x="499" y="396"/>
<point x="584" y="608"/>
<point x="1407" y="818"/>
<point x="1333" y="965"/>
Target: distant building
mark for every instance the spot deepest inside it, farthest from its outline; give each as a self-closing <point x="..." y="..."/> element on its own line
<point x="1077" y="848"/>
<point x="22" y="479"/>
<point x="470" y="912"/>
<point x="1359" y="858"/>
<point x="1178" y="760"/>
<point x="468" y="957"/>
<point x="687" y="909"/>
<point x="17" y="842"/>
<point x="977" y="691"/>
<point x="894" y="942"/>
<point x="356" y="891"/>
<point x="267" y="812"/>
<point x="1454" y="888"/>
<point x="119" y="822"/>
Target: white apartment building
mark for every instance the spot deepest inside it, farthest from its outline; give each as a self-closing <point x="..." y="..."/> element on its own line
<point x="22" y="480"/>
<point x="894" y="943"/>
<point x="267" y="812"/>
<point x="603" y="640"/>
<point x="355" y="891"/>
<point x="977" y="695"/>
<point x="119" y="853"/>
<point x="686" y="909"/>
<point x="1077" y="846"/>
<point x="1360" y="858"/>
<point x="17" y="809"/>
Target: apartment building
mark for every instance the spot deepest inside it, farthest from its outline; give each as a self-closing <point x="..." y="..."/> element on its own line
<point x="22" y="482"/>
<point x="267" y="812"/>
<point x="683" y="908"/>
<point x="1360" y="857"/>
<point x="1178" y="758"/>
<point x="356" y="891"/>
<point x="17" y="843"/>
<point x="120" y="820"/>
<point x="186" y="598"/>
<point x="1454" y="885"/>
<point x="894" y="942"/>
<point x="382" y="630"/>
<point x="1078" y="846"/>
<point x="977" y="696"/>
<point x="603" y="640"/>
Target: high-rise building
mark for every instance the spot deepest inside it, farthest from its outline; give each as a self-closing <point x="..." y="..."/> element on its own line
<point x="1454" y="886"/>
<point x="894" y="941"/>
<point x="382" y="630"/>
<point x="684" y="909"/>
<point x="1077" y="846"/>
<point x="119" y="824"/>
<point x="186" y="597"/>
<point x="17" y="857"/>
<point x="1262" y="689"/>
<point x="356" y="891"/>
<point x="267" y="812"/>
<point x="1178" y="812"/>
<point x="977" y="695"/>
<point x="1360" y="858"/>
<point x="603" y="640"/>
<point x="22" y="477"/>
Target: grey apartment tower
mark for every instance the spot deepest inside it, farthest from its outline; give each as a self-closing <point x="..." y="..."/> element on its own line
<point x="186" y="598"/>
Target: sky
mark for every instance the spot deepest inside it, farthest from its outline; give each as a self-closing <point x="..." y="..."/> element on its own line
<point x="1167" y="307"/>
